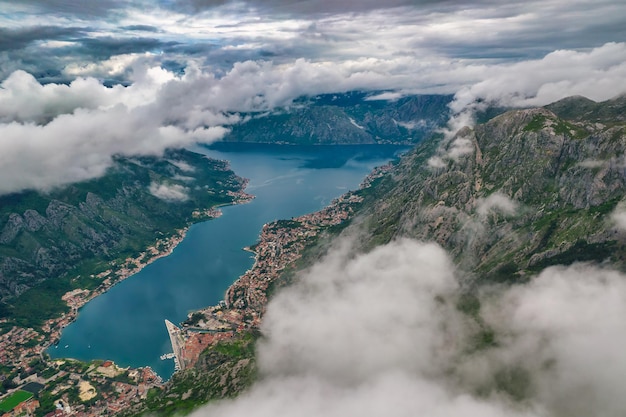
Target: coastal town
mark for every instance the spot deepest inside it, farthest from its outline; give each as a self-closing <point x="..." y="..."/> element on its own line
<point x="21" y="348"/>
<point x="24" y="361"/>
<point x="32" y="382"/>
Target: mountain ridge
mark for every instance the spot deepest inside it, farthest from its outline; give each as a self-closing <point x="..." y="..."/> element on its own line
<point x="349" y="118"/>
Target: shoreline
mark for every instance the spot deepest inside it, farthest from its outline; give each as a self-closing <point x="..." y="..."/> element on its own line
<point x="78" y="298"/>
<point x="13" y="340"/>
<point x="279" y="245"/>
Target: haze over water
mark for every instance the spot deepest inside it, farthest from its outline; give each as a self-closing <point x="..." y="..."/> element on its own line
<point x="126" y="323"/>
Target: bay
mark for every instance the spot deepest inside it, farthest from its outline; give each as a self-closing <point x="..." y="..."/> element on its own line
<point x="126" y="324"/>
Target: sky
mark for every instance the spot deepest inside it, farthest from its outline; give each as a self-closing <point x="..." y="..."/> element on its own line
<point x="83" y="81"/>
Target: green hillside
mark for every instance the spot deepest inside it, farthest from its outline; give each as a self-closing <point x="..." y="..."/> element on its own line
<point x="51" y="243"/>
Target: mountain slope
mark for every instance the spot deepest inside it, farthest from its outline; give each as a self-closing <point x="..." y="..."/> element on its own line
<point x="529" y="189"/>
<point x="69" y="234"/>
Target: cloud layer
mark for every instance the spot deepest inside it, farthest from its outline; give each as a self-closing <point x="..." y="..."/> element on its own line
<point x="379" y="334"/>
<point x="55" y="134"/>
<point x="83" y="83"/>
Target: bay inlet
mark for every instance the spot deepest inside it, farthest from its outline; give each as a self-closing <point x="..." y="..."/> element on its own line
<point x="126" y="323"/>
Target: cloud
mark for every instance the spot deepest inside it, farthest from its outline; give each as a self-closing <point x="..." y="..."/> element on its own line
<point x="619" y="217"/>
<point x="23" y="99"/>
<point x="86" y="8"/>
<point x="52" y="126"/>
<point x="596" y="74"/>
<point x="443" y="38"/>
<point x="373" y="313"/>
<point x="296" y="7"/>
<point x="169" y="192"/>
<point x="496" y="202"/>
<point x="195" y="71"/>
<point x="436" y="162"/>
<point x="592" y="163"/>
<point x="182" y="165"/>
<point x="53" y="135"/>
<point x="363" y="335"/>
<point x="456" y="143"/>
<point x="379" y="334"/>
<point x="566" y="328"/>
<point x="12" y="39"/>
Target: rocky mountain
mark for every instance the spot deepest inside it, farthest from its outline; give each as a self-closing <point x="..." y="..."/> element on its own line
<point x="67" y="235"/>
<point x="528" y="189"/>
<point x="351" y="118"/>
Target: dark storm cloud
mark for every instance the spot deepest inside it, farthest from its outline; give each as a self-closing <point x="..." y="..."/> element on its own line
<point x="320" y="6"/>
<point x="12" y="39"/>
<point x="106" y="47"/>
<point x="141" y="28"/>
<point x="84" y="8"/>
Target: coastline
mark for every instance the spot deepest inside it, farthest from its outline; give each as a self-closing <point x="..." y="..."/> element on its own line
<point x="163" y="247"/>
<point x="19" y="345"/>
<point x="280" y="244"/>
<point x="77" y="298"/>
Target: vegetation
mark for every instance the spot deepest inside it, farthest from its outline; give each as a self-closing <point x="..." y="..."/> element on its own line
<point x="224" y="370"/>
<point x="14" y="399"/>
<point x="74" y="233"/>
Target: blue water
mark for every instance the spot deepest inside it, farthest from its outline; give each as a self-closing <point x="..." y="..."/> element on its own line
<point x="126" y="323"/>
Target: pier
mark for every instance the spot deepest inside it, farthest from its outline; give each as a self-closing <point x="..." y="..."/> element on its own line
<point x="178" y="344"/>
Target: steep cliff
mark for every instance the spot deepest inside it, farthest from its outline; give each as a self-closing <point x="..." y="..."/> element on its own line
<point x="526" y="190"/>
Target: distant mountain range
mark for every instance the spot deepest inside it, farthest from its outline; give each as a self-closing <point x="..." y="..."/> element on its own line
<point x="350" y="118"/>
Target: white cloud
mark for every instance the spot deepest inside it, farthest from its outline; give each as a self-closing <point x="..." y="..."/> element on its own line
<point x="566" y="328"/>
<point x="459" y="147"/>
<point x="363" y="335"/>
<point x="597" y="74"/>
<point x="436" y="162"/>
<point x="619" y="217"/>
<point x="373" y="313"/>
<point x="496" y="202"/>
<point x="379" y="334"/>
<point x="391" y="96"/>
<point x="169" y="192"/>
<point x="65" y="133"/>
<point x="592" y="163"/>
<point x="182" y="165"/>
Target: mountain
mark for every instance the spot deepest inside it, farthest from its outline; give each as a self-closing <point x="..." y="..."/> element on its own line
<point x="53" y="242"/>
<point x="531" y="189"/>
<point x="507" y="198"/>
<point x="351" y="118"/>
<point x="577" y="108"/>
